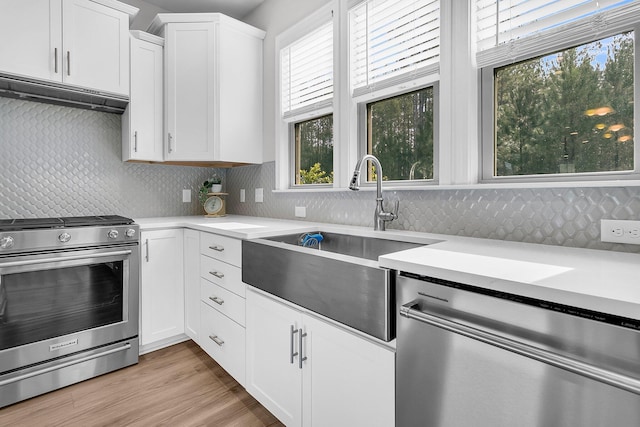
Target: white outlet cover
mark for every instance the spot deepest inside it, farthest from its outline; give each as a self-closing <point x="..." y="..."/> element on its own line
<point x="259" y="195"/>
<point x="186" y="196"/>
<point x="300" y="211"/>
<point x="620" y="231"/>
<point x="243" y="195"/>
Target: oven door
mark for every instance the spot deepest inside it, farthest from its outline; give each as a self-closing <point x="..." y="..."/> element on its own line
<point x="56" y="304"/>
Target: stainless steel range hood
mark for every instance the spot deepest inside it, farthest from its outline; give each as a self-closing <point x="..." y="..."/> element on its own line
<point x="59" y="94"/>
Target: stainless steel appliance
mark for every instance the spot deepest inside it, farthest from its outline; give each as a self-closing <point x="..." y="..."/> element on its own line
<point x="68" y="301"/>
<point x="468" y="356"/>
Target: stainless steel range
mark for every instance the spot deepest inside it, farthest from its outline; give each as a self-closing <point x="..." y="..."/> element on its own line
<point x="68" y="301"/>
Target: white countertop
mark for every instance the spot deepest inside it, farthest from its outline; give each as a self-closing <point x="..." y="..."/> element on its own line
<point x="604" y="281"/>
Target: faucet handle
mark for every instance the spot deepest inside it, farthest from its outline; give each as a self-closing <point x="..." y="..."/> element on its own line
<point x="395" y="209"/>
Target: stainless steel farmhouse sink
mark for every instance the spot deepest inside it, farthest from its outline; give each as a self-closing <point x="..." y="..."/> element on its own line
<point x="339" y="277"/>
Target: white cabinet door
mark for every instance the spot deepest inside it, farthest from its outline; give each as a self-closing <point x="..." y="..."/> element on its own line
<point x="162" y="286"/>
<point x="273" y="374"/>
<point x="142" y="127"/>
<point x="96" y="46"/>
<point x="192" y="283"/>
<point x="347" y="380"/>
<point x="189" y="91"/>
<point x="31" y="38"/>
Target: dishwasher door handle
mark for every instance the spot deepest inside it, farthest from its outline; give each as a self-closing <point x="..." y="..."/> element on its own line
<point x="554" y="359"/>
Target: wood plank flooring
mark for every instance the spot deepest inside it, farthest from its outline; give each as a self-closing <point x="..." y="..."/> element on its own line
<point x="176" y="386"/>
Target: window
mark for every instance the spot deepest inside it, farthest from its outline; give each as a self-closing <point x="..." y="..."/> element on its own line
<point x="314" y="151"/>
<point x="563" y="104"/>
<point x="306" y="96"/>
<point x="400" y="134"/>
<point x="392" y="44"/>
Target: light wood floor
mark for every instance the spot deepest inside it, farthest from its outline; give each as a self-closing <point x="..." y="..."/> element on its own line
<point x="176" y="386"/>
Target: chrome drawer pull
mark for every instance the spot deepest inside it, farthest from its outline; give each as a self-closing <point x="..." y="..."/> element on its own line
<point x="218" y="274"/>
<point x="218" y="248"/>
<point x="217" y="300"/>
<point x="216" y="340"/>
<point x="291" y="353"/>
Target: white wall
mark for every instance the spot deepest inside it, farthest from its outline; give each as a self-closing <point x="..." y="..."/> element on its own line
<point x="275" y="16"/>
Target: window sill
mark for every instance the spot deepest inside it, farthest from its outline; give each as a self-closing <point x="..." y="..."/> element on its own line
<point x="477" y="186"/>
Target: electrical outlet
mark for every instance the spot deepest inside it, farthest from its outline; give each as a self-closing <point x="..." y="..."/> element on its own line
<point x="243" y="195"/>
<point x="620" y="231"/>
<point x="300" y="211"/>
<point x="186" y="196"/>
<point x="259" y="195"/>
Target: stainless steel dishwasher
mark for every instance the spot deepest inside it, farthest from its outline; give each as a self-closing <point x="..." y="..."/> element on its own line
<point x="467" y="356"/>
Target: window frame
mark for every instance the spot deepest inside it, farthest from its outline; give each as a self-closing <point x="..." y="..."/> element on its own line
<point x="387" y="89"/>
<point x="363" y="132"/>
<point x="487" y="139"/>
<point x="285" y="126"/>
<point x="293" y="167"/>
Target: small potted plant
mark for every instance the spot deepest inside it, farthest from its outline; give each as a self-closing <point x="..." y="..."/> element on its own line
<point x="212" y="185"/>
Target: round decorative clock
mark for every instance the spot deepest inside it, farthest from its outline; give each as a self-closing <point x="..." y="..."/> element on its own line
<point x="214" y="206"/>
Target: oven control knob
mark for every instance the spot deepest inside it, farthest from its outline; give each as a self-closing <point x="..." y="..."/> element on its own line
<point x="64" y="237"/>
<point x="130" y="232"/>
<point x="112" y="234"/>
<point x="6" y="242"/>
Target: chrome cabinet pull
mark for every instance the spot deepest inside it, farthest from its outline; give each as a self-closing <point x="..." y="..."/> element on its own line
<point x="216" y="340"/>
<point x="146" y="243"/>
<point x="217" y="300"/>
<point x="135" y="141"/>
<point x="68" y="63"/>
<point x="291" y="353"/>
<point x="217" y="248"/>
<point x="218" y="274"/>
<point x="170" y="145"/>
<point x="55" y="60"/>
<point x="301" y="358"/>
<point x="545" y="356"/>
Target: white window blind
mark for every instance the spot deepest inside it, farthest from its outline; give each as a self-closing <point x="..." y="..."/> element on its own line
<point x="517" y="29"/>
<point x="393" y="41"/>
<point x="307" y="72"/>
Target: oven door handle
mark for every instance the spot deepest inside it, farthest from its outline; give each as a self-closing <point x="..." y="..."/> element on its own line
<point x="587" y="370"/>
<point x="62" y="259"/>
<point x="55" y="367"/>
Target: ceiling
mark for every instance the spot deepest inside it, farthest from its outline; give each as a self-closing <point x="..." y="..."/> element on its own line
<point x="235" y="8"/>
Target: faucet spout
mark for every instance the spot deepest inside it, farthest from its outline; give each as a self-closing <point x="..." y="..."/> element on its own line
<point x="380" y="216"/>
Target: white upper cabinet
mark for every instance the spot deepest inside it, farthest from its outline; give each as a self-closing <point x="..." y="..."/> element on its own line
<point x="34" y="29"/>
<point x="142" y="129"/>
<point x="82" y="43"/>
<point x="213" y="88"/>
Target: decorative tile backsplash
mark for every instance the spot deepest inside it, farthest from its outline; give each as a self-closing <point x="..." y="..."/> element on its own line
<point x="554" y="216"/>
<point x="62" y="161"/>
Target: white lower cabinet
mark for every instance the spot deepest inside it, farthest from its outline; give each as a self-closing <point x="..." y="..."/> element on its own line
<point x="309" y="372"/>
<point x="161" y="288"/>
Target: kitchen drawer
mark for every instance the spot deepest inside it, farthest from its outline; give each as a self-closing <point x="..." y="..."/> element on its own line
<point x="229" y="351"/>
<point x="222" y="274"/>
<point x="226" y="302"/>
<point x="223" y="248"/>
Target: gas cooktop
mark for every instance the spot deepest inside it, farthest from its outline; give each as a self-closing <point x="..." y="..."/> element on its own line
<point x="70" y="221"/>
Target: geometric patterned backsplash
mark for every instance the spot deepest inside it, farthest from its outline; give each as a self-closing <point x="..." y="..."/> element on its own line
<point x="553" y="216"/>
<point x="63" y="161"/>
